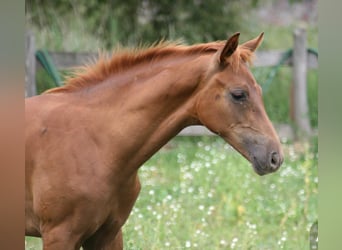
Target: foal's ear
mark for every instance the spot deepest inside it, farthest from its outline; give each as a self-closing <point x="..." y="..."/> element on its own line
<point x="253" y="44"/>
<point x="229" y="48"/>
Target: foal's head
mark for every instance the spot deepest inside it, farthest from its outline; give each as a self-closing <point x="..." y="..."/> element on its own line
<point x="230" y="104"/>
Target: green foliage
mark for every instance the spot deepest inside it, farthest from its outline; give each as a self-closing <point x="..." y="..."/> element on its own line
<point x="132" y="22"/>
<point x="198" y="193"/>
<point x="43" y="81"/>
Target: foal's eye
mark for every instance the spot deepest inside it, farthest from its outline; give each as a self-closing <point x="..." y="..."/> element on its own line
<point x="238" y="95"/>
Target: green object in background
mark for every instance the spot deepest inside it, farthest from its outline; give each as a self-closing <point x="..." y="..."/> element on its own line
<point x="287" y="54"/>
<point x="44" y="58"/>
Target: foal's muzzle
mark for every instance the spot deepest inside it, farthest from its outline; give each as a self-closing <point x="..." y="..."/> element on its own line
<point x="266" y="163"/>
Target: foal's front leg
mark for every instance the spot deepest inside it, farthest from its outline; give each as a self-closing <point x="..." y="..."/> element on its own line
<point x="60" y="237"/>
<point x="104" y="241"/>
<point x="118" y="242"/>
<point x="109" y="235"/>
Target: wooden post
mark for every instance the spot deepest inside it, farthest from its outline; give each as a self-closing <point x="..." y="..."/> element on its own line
<point x="300" y="104"/>
<point x="30" y="66"/>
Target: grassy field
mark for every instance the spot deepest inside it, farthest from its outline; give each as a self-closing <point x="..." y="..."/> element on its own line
<point x="198" y="193"/>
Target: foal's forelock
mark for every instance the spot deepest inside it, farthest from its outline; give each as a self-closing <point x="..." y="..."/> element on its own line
<point x="241" y="55"/>
<point x="124" y="60"/>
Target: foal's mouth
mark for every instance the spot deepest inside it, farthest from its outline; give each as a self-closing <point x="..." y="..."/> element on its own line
<point x="259" y="168"/>
<point x="266" y="166"/>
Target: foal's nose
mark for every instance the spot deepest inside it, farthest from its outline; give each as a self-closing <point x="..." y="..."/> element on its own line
<point x="275" y="160"/>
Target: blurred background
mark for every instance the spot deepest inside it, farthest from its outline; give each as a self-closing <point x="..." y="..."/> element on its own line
<point x="197" y="191"/>
<point x="76" y="25"/>
<point x="87" y="26"/>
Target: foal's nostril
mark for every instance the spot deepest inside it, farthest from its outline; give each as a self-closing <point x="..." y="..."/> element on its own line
<point x="275" y="160"/>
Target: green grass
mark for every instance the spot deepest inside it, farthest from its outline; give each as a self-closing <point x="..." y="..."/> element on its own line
<point x="277" y="95"/>
<point x="198" y="193"/>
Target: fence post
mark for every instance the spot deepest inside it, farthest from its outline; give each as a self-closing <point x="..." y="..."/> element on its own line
<point x="300" y="107"/>
<point x="30" y="65"/>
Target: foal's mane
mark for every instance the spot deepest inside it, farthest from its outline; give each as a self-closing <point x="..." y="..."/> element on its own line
<point x="123" y="59"/>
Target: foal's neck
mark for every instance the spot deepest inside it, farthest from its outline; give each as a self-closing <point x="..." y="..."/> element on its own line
<point x="147" y="106"/>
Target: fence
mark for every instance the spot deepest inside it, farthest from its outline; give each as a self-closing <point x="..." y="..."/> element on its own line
<point x="299" y="58"/>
